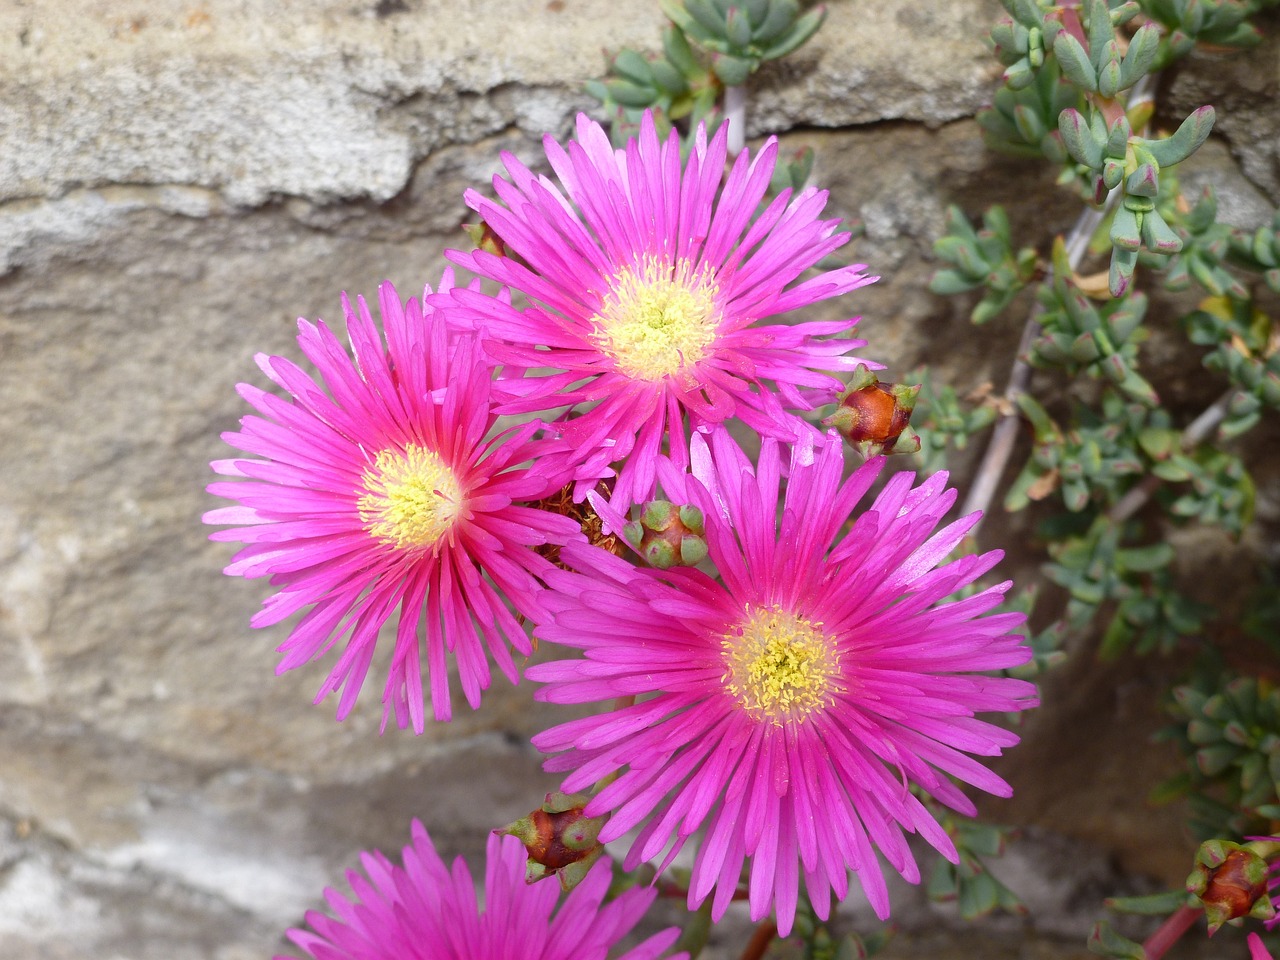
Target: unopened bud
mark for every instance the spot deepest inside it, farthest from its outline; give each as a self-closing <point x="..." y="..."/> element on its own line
<point x="1231" y="881"/>
<point x="874" y="416"/>
<point x="667" y="535"/>
<point x="560" y="839"/>
<point x="485" y="238"/>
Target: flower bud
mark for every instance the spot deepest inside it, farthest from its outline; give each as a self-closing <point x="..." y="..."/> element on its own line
<point x="667" y="535"/>
<point x="1231" y="881"/>
<point x="559" y="838"/>
<point x="875" y="416"/>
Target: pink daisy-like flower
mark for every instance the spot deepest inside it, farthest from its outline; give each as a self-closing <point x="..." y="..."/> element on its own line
<point x="797" y="700"/>
<point x="425" y="911"/>
<point x="649" y="284"/>
<point x="385" y="491"/>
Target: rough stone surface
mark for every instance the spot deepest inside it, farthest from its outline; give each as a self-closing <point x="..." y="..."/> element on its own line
<point x="180" y="182"/>
<point x="1244" y="91"/>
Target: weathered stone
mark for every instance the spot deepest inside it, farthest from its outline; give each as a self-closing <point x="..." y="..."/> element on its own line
<point x="1244" y="88"/>
<point x="178" y="183"/>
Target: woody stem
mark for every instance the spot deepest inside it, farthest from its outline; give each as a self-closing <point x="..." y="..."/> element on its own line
<point x="760" y="941"/>
<point x="1169" y="932"/>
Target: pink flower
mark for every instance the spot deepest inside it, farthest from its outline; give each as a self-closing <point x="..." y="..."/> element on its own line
<point x="425" y="911"/>
<point x="796" y="700"/>
<point x="650" y="284"/>
<point x="380" y="490"/>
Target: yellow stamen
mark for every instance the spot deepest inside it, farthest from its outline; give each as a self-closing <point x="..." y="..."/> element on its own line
<point x="412" y="498"/>
<point x="779" y="666"/>
<point x="657" y="318"/>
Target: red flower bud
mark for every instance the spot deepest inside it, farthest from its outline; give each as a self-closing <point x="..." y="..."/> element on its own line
<point x="561" y="840"/>
<point x="1231" y="882"/>
<point x="874" y="416"/>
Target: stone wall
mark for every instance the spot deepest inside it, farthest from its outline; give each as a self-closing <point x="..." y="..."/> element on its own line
<point x="179" y="181"/>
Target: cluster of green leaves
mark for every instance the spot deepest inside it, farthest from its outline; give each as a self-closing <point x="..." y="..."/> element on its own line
<point x="982" y="258"/>
<point x="1069" y="69"/>
<point x="1074" y="96"/>
<point x="968" y="882"/>
<point x="1241" y="340"/>
<point x="1230" y="733"/>
<point x="1100" y="340"/>
<point x="1223" y="23"/>
<point x="942" y="420"/>
<point x="821" y="941"/>
<point x="742" y="34"/>
<point x="707" y="46"/>
<point x="1105" y="941"/>
<point x="1145" y="609"/>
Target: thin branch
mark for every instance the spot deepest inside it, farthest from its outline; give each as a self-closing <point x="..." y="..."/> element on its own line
<point x="1005" y="434"/>
<point x="735" y="114"/>
<point x="1196" y="432"/>
<point x="760" y="941"/>
<point x="1003" y="437"/>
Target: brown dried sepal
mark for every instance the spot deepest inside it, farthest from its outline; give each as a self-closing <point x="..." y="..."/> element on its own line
<point x="588" y="521"/>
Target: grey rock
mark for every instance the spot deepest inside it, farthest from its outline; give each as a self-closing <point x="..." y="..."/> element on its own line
<point x="179" y="183"/>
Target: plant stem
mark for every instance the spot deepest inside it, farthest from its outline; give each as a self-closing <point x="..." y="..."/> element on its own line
<point x="1169" y="932"/>
<point x="1005" y="433"/>
<point x="735" y="114"/>
<point x="1003" y="436"/>
<point x="760" y="940"/>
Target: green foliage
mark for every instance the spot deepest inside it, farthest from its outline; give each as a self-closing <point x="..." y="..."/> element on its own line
<point x="1074" y="93"/>
<point x="675" y="84"/>
<point x="969" y="883"/>
<point x="1103" y="340"/>
<point x="1188" y="22"/>
<point x="1230" y="734"/>
<point x="1259" y="251"/>
<point x="1152" y="615"/>
<point x="942" y="421"/>
<point x="1243" y="346"/>
<point x="1105" y="942"/>
<point x="1024" y="39"/>
<point x="1117" y="158"/>
<point x="1088" y="462"/>
<point x="1148" y="613"/>
<point x="1150" y="905"/>
<point x="1221" y="491"/>
<point x="1101" y="67"/>
<point x="1206" y="244"/>
<point x="683" y="83"/>
<point x="820" y="943"/>
<point x="792" y="173"/>
<point x="742" y="34"/>
<point x="1046" y="645"/>
<point x="982" y="258"/>
<point x="1261" y="618"/>
<point x="1023" y="120"/>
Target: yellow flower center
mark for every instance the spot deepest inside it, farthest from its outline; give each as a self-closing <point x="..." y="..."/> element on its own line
<point x="778" y="665"/>
<point x="411" y="498"/>
<point x="657" y="318"/>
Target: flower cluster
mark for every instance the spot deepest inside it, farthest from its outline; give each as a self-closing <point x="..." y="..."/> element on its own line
<point x="425" y="911"/>
<point x="789" y="700"/>
<point x="795" y="704"/>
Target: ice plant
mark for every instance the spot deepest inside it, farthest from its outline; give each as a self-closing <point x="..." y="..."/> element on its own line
<point x="388" y="491"/>
<point x="791" y="708"/>
<point x="425" y="911"/>
<point x="649" y="287"/>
